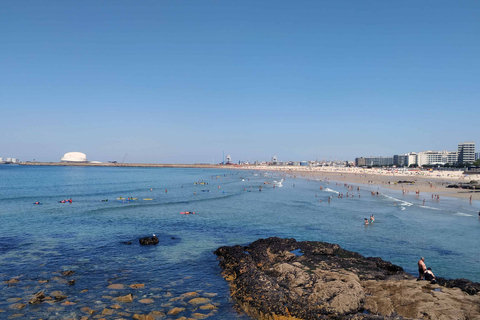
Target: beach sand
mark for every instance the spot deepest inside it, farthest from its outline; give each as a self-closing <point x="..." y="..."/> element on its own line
<point x="431" y="182"/>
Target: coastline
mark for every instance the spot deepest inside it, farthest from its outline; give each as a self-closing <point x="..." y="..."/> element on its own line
<point x="434" y="182"/>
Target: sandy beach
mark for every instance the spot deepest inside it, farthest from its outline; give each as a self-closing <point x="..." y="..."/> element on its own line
<point x="431" y="182"/>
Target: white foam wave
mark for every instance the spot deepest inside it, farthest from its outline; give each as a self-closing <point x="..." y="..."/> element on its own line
<point x="431" y="208"/>
<point x="330" y="190"/>
<point x="400" y="202"/>
<point x="402" y="208"/>
<point x="463" y="214"/>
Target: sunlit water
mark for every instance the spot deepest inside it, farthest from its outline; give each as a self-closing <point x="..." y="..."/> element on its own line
<point x="38" y="242"/>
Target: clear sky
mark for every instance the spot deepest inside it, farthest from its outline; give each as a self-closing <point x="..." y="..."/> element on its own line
<point x="182" y="81"/>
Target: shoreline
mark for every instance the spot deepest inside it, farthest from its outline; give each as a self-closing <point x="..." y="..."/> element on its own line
<point x="423" y="181"/>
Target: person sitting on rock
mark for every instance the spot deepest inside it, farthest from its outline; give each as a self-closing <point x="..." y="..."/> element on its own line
<point x="421" y="268"/>
<point x="429" y="276"/>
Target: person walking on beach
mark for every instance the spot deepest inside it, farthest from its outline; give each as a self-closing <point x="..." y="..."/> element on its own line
<point x="421" y="268"/>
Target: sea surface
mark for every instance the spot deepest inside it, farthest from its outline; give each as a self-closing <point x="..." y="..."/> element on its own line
<point x="89" y="236"/>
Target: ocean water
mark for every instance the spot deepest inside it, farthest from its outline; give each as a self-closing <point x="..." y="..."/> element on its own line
<point x="38" y="242"/>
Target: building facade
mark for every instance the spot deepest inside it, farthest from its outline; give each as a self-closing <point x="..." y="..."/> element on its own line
<point x="437" y="157"/>
<point x="373" y="161"/>
<point x="466" y="152"/>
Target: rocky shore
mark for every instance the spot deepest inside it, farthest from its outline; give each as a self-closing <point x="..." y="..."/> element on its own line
<point x="280" y="279"/>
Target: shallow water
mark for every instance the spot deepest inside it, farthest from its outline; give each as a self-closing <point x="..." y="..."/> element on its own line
<point x="38" y="242"/>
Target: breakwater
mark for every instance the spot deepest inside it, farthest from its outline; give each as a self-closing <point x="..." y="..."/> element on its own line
<point x="134" y="165"/>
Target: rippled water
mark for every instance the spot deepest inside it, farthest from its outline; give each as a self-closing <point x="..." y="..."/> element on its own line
<point x="38" y="242"/>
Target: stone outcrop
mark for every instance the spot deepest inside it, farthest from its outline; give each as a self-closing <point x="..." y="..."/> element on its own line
<point x="284" y="279"/>
<point x="149" y="240"/>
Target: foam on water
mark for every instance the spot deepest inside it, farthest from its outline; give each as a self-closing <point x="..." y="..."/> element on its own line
<point x="463" y="214"/>
<point x="398" y="201"/>
<point x="330" y="190"/>
<point x="431" y="208"/>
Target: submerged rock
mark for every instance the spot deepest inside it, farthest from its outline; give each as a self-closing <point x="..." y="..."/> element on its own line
<point x="126" y="298"/>
<point x="37" y="298"/>
<point x="284" y="279"/>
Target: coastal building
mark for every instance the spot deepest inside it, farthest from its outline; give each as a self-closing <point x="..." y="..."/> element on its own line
<point x="411" y="159"/>
<point x="466" y="152"/>
<point x="437" y="157"/>
<point x="477" y="156"/>
<point x="399" y="160"/>
<point x="74" y="157"/>
<point x="229" y="159"/>
<point x="374" y="161"/>
<point x="274" y="160"/>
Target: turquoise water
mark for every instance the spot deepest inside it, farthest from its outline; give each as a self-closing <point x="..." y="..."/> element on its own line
<point x="37" y="242"/>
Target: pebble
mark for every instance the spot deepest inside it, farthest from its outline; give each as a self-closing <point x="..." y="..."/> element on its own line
<point x="107" y="311"/>
<point x="116" y="286"/>
<point x="199" y="301"/>
<point x="127" y="298"/>
<point x="175" y="311"/>
<point x="208" y="306"/>
<point x="146" y="301"/>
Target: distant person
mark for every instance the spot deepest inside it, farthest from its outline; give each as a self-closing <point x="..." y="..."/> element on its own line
<point x="372" y="218"/>
<point x="366" y="221"/>
<point x="421" y="268"/>
<point x="429" y="276"/>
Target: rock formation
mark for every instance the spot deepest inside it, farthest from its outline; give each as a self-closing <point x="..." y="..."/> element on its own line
<point x="149" y="240"/>
<point x="284" y="279"/>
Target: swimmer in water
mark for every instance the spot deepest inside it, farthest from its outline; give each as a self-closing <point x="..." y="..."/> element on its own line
<point x="366" y="221"/>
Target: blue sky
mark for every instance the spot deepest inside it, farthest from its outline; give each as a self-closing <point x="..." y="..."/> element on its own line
<point x="183" y="81"/>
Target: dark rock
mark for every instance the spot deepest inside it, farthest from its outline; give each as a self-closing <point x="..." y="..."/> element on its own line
<point x="71" y="282"/>
<point x="59" y="297"/>
<point x="464" y="284"/>
<point x="68" y="273"/>
<point x="149" y="241"/>
<point x="127" y="242"/>
<point x="37" y="298"/>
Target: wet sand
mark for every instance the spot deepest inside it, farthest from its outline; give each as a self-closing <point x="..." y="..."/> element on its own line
<point x="424" y="182"/>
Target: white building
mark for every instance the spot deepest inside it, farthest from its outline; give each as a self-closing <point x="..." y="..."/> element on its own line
<point x="229" y="159"/>
<point x="74" y="157"/>
<point x="411" y="158"/>
<point x="437" y="157"/>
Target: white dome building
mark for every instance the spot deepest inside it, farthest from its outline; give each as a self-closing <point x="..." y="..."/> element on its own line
<point x="74" y="157"/>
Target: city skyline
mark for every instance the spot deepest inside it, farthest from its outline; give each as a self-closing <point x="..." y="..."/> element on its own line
<point x="183" y="82"/>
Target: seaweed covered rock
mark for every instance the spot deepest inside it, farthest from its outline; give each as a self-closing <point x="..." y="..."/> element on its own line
<point x="284" y="279"/>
